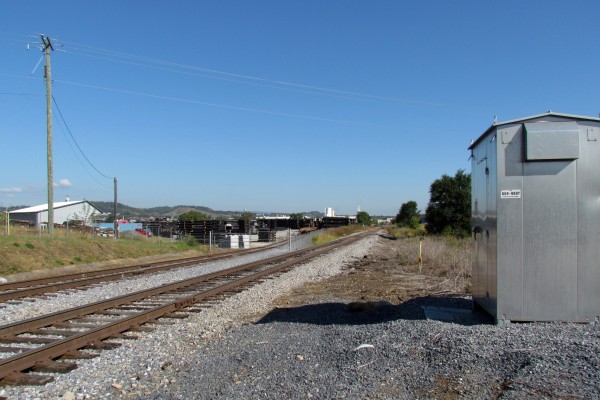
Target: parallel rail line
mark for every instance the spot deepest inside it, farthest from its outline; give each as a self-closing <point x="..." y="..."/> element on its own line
<point x="36" y="287"/>
<point x="63" y="335"/>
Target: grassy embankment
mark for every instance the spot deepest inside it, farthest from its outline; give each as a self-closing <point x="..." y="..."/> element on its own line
<point x="26" y="250"/>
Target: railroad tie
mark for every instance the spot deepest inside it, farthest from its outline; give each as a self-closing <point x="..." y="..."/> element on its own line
<point x="18" y="378"/>
<point x="77" y="355"/>
<point x="101" y="346"/>
<point x="54" y="367"/>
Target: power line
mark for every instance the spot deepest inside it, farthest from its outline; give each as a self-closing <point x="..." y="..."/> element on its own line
<point x="78" y="156"/>
<point x="75" y="141"/>
<point x="299" y="89"/>
<point x="141" y="60"/>
<point x="19" y="94"/>
<point x="204" y="103"/>
<point x="147" y="62"/>
<point x="218" y="105"/>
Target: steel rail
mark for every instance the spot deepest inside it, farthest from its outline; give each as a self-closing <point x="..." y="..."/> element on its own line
<point x="20" y="327"/>
<point x="22" y="289"/>
<point x="57" y="348"/>
<point x="89" y="274"/>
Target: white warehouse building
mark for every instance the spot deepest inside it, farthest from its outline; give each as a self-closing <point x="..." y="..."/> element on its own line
<point x="64" y="211"/>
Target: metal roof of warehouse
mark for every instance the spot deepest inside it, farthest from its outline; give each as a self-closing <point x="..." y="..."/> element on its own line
<point x="44" y="207"/>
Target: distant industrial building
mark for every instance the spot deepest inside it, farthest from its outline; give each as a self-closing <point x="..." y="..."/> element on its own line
<point x="536" y="219"/>
<point x="78" y="210"/>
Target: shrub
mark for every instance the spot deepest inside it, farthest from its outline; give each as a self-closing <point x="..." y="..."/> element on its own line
<point x="190" y="241"/>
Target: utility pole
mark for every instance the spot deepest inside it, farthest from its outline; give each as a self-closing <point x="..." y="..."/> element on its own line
<point x="47" y="46"/>
<point x="7" y="220"/>
<point x="116" y="222"/>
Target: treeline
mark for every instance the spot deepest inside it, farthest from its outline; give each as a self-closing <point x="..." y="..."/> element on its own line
<point x="448" y="211"/>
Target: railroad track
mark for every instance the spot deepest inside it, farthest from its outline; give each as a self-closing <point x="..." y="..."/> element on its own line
<point x="46" y="343"/>
<point x="14" y="291"/>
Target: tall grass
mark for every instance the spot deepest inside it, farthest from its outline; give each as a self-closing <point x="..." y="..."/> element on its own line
<point x="404" y="232"/>
<point x="443" y="256"/>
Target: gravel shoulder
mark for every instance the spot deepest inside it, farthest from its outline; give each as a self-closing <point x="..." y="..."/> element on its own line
<point x="349" y="324"/>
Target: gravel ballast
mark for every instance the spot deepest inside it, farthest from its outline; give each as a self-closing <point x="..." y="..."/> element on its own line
<point x="244" y="348"/>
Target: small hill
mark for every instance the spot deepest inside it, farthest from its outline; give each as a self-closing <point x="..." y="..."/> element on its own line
<point x="162" y="211"/>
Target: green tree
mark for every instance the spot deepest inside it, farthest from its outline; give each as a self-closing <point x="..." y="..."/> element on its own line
<point x="193" y="215"/>
<point x="296" y="216"/>
<point x="449" y="209"/>
<point x="408" y="215"/>
<point x="363" y="218"/>
<point x="247" y="216"/>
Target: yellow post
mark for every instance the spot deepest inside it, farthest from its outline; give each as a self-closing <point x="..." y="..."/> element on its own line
<point x="420" y="254"/>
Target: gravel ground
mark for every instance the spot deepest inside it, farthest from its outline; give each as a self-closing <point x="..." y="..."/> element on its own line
<point x="245" y="348"/>
<point x="346" y="357"/>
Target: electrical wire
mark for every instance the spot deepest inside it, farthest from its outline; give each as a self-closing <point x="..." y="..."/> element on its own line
<point x="19" y="94"/>
<point x="78" y="156"/>
<point x="169" y="66"/>
<point x="204" y="103"/>
<point x="182" y="100"/>
<point x="148" y="61"/>
<point x="196" y="74"/>
<point x="75" y="141"/>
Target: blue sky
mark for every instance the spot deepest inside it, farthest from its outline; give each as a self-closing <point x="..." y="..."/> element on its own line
<point x="281" y="106"/>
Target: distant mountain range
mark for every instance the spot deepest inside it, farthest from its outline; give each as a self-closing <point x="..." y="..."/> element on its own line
<point x="163" y="211"/>
<point x="173" y="211"/>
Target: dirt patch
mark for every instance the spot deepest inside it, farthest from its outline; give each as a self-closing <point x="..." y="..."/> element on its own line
<point x="390" y="273"/>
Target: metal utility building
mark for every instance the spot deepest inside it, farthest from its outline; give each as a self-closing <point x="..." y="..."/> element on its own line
<point x="536" y="219"/>
<point x="63" y="211"/>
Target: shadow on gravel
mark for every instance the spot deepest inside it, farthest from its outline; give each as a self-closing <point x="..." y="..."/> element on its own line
<point x="388" y="237"/>
<point x="446" y="309"/>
